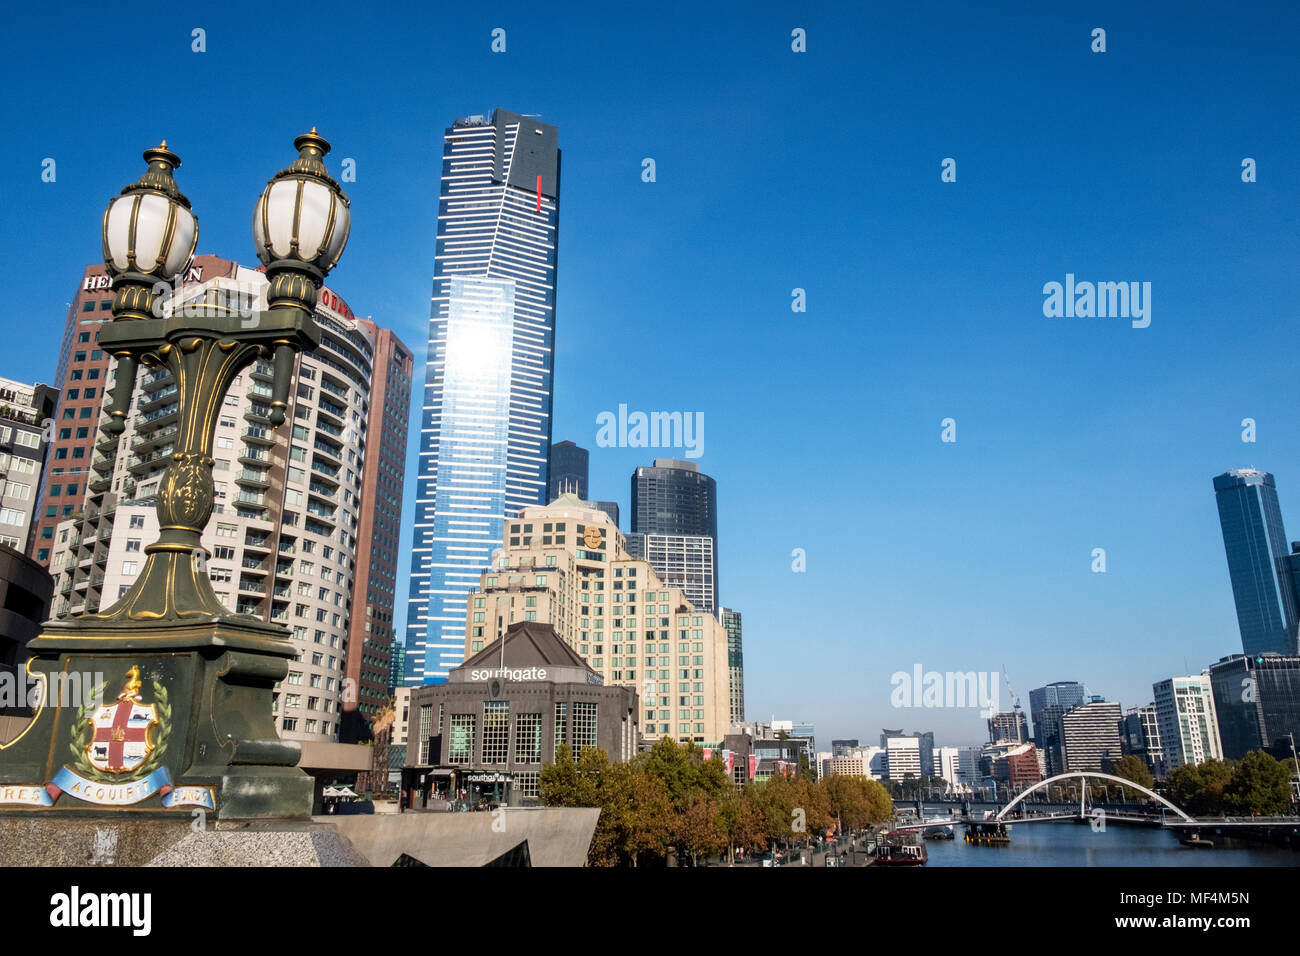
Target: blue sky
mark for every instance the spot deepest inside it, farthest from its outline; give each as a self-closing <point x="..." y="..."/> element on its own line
<point x="778" y="170"/>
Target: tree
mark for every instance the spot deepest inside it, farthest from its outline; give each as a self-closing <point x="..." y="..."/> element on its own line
<point x="1199" y="788"/>
<point x="558" y="784"/>
<point x="1132" y="767"/>
<point x="1260" y="785"/>
<point x="857" y="801"/>
<point x="698" y="831"/>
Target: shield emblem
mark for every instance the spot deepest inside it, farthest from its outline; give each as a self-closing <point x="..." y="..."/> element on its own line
<point x="122" y="735"/>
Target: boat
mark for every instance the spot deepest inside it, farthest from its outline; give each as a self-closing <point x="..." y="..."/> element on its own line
<point x="1197" y="842"/>
<point x="988" y="833"/>
<point x="900" y="848"/>
<point x="943" y="832"/>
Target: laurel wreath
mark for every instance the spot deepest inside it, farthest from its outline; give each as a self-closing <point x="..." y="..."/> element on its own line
<point x="84" y="733"/>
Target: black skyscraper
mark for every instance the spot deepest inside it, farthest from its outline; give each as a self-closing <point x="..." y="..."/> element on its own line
<point x="674" y="497"/>
<point x="568" y="471"/>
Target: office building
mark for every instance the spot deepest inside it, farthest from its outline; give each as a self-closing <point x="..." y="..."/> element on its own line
<point x="567" y="472"/>
<point x="485" y="432"/>
<point x="924" y="750"/>
<point x="284" y="540"/>
<point x="1009" y="727"/>
<point x="1256" y="703"/>
<point x="841" y="748"/>
<point x="24" y="411"/>
<point x="683" y="561"/>
<point x="610" y="508"/>
<point x="1258" y="566"/>
<point x="968" y="766"/>
<point x="1189" y="732"/>
<point x="500" y="717"/>
<point x="674" y="499"/>
<point x="731" y="621"/>
<point x="1090" y="735"/>
<point x="902" y="756"/>
<point x="1047" y="705"/>
<point x="1140" y="735"/>
<point x="370" y="633"/>
<point x="565" y="564"/>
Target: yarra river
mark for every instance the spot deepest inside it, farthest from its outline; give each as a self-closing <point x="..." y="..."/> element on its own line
<point x="1075" y="844"/>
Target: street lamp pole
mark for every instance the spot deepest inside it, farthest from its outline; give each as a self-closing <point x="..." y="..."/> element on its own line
<point x="197" y="678"/>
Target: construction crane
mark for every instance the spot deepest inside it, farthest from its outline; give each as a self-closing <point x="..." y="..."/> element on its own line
<point x="1021" y="725"/>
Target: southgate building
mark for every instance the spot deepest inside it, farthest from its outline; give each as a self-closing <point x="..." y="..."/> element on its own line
<point x="566" y="564"/>
<point x="499" y="718"/>
<point x="485" y="430"/>
<point x="284" y="543"/>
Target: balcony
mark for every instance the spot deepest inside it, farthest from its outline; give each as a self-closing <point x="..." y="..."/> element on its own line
<point x="107" y="445"/>
<point x="100" y="485"/>
<point x="328" y="428"/>
<point x="251" y="586"/>
<point x="103" y="466"/>
<point x="251" y="477"/>
<point x="254" y="456"/>
<point x="284" y="569"/>
<point x="142" y="464"/>
<point x="262" y="371"/>
<point x="259" y="435"/>
<point x="149" y="439"/>
<point x="253" y="608"/>
<point x="251" y="499"/>
<point x="261" y="542"/>
<point x="329" y="472"/>
<point x="333" y="389"/>
<point x="155" y="380"/>
<point x="258" y="412"/>
<point x="150" y="402"/>
<point x="254" y="564"/>
<point x="324" y="490"/>
<point x="334" y="451"/>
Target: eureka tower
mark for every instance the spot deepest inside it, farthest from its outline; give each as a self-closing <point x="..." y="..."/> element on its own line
<point x="485" y="431"/>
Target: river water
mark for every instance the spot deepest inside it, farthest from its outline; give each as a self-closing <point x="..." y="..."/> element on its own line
<point x="1074" y="844"/>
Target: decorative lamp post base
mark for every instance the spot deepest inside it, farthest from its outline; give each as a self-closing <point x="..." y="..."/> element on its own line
<point x="164" y="720"/>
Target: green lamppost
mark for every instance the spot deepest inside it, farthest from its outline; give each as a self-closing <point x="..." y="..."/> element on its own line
<point x="193" y="723"/>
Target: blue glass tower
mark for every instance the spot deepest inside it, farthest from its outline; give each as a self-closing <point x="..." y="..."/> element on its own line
<point x="486" y="426"/>
<point x="1255" y="543"/>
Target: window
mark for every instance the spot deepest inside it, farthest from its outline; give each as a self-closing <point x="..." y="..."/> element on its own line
<point x="137" y="521"/>
<point x="561" y="722"/>
<point x="584" y="726"/>
<point x="133" y="544"/>
<point x="460" y="744"/>
<point x="128" y="568"/>
<point x="526" y="783"/>
<point x="496" y="731"/>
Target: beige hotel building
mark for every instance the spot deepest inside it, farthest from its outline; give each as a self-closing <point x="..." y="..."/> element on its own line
<point x="566" y="564"/>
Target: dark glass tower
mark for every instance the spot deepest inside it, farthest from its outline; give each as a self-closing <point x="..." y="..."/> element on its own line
<point x="486" y="425"/>
<point x="568" y="472"/>
<point x="1256" y="548"/>
<point x="676" y="499"/>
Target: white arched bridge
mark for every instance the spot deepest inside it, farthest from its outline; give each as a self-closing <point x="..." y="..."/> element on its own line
<point x="1083" y="792"/>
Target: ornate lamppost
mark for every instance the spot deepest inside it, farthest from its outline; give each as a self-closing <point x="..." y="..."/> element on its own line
<point x="193" y="724"/>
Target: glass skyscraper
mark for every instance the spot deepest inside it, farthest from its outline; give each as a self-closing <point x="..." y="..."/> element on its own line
<point x="1256" y="547"/>
<point x="486" y="426"/>
<point x="676" y="502"/>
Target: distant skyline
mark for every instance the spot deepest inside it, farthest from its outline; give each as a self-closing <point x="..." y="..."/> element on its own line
<point x="821" y="171"/>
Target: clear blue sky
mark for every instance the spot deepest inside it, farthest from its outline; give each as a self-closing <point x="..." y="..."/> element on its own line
<point x="779" y="170"/>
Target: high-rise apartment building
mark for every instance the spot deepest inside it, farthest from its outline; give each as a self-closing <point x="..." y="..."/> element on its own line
<point x="1256" y="547"/>
<point x="731" y="620"/>
<point x="686" y="561"/>
<point x="1047" y="705"/>
<point x="568" y="471"/>
<point x="1141" y="737"/>
<point x="485" y="432"/>
<point x="371" y="635"/>
<point x="1090" y="735"/>
<point x="565" y="564"/>
<point x="82" y="375"/>
<point x="1189" y="732"/>
<point x="284" y="540"/>
<point x="1009" y="726"/>
<point x="674" y="501"/>
<point x="24" y="411"/>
